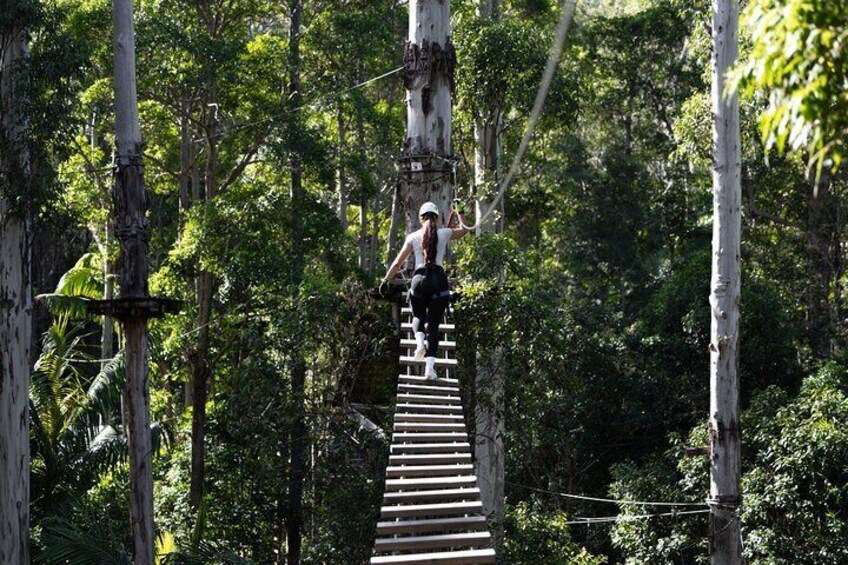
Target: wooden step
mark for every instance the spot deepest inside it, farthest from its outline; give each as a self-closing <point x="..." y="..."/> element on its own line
<point x="448" y="345"/>
<point x="442" y="525"/>
<point x="458" y="447"/>
<point x="408" y="398"/>
<point x="437" y="388"/>
<point x="444" y="328"/>
<point x="396" y="471"/>
<point x="430" y="483"/>
<point x="429" y="408"/>
<point x="430" y="459"/>
<point x="429" y="427"/>
<point x="438" y="541"/>
<point x="466" y="557"/>
<point x="413" y="417"/>
<point x="440" y="362"/>
<point x="431" y="437"/>
<point x="432" y="495"/>
<point x="421" y="379"/>
<point x="424" y="510"/>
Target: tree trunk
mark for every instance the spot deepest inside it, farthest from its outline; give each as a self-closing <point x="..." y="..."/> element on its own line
<point x="15" y="301"/>
<point x="820" y="233"/>
<point x="363" y="195"/>
<point x="429" y="61"/>
<point x="341" y="179"/>
<point x="186" y="157"/>
<point x="394" y="226"/>
<point x="725" y="542"/>
<point x="131" y="227"/>
<point x="374" y="236"/>
<point x="201" y="367"/>
<point x="294" y="522"/>
<point x="489" y="406"/>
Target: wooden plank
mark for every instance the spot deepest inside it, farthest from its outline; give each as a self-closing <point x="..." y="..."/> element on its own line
<point x="438" y="541"/>
<point x="422" y="379"/>
<point x="429" y="458"/>
<point x="436" y="388"/>
<point x="395" y="471"/>
<point x="442" y="327"/>
<point x="454" y="447"/>
<point x="466" y="557"/>
<point x="433" y="495"/>
<point x="444" y="344"/>
<point x="443" y="525"/>
<point x="430" y="483"/>
<point x="433" y="408"/>
<point x="413" y="417"/>
<point x="431" y="510"/>
<point x="440" y="361"/>
<point x="406" y="397"/>
<point x="425" y="437"/>
<point x="429" y="427"/>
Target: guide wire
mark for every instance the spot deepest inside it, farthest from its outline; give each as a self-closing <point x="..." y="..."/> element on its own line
<point x="608" y="500"/>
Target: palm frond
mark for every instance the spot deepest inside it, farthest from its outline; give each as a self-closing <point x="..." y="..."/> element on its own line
<point x="84" y="279"/>
<point x="205" y="553"/>
<point x="75" y="307"/>
<point x="66" y="544"/>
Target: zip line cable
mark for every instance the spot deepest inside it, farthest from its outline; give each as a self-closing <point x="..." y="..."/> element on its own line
<point x="542" y="93"/>
<point x="609" y="519"/>
<point x="609" y="500"/>
<point x="312" y="104"/>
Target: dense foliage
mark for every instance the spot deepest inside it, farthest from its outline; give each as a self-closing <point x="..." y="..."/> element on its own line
<point x="595" y="297"/>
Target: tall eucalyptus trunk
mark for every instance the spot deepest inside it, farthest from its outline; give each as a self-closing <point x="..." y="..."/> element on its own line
<point x="205" y="289"/>
<point x="725" y="541"/>
<point x="15" y="298"/>
<point x="297" y="439"/>
<point x="429" y="62"/>
<point x="130" y="202"/>
<point x="489" y="411"/>
<point x="341" y="174"/>
<point x="363" y="193"/>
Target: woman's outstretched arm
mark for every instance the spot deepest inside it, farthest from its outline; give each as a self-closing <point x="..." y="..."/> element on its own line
<point x="457" y="233"/>
<point x="399" y="261"/>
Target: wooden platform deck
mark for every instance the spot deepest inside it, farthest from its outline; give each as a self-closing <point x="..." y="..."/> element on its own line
<point x="431" y="511"/>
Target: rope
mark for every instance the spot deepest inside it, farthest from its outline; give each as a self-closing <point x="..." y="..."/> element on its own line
<point x="610" y="500"/>
<point x="542" y="93"/>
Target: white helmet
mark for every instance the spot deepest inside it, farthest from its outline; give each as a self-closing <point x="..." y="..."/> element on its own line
<point x="428" y="208"/>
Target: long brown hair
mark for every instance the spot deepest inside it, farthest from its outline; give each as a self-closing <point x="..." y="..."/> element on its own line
<point x="430" y="239"/>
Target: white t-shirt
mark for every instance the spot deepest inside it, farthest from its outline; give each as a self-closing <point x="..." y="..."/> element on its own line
<point x="414" y="240"/>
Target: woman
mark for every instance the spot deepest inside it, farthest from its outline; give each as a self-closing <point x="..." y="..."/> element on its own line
<point x="429" y="292"/>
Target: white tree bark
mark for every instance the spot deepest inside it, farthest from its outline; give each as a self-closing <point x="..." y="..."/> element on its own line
<point x="489" y="409"/>
<point x="131" y="229"/>
<point x="15" y="303"/>
<point x="428" y="75"/>
<point x="725" y="542"/>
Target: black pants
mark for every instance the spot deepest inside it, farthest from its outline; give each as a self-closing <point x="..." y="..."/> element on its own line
<point x="428" y="296"/>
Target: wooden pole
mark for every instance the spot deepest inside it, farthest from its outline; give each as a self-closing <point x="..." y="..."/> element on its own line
<point x="15" y="301"/>
<point x="131" y="229"/>
<point x="725" y="541"/>
<point x="429" y="62"/>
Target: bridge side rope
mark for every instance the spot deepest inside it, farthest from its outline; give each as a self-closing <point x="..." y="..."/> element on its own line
<point x="541" y="94"/>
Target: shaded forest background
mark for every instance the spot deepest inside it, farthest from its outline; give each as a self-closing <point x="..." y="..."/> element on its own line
<point x="601" y="315"/>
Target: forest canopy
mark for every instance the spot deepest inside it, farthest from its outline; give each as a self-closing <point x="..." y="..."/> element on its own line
<point x="275" y="140"/>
